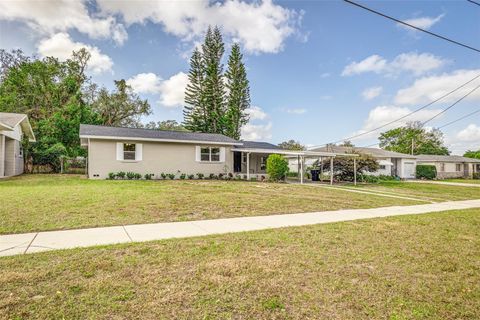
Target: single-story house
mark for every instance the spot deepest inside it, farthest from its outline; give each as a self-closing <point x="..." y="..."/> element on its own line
<point x="145" y="151"/>
<point x="13" y="127"/>
<point x="451" y="166"/>
<point x="391" y="163"/>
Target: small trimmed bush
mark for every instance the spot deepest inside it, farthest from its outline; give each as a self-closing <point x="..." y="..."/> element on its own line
<point x="183" y="176"/>
<point x="191" y="176"/>
<point x="200" y="176"/>
<point x="171" y="176"/>
<point x="163" y="175"/>
<point x="426" y="171"/>
<point x="137" y="176"/>
<point x="149" y="176"/>
<point x="121" y="175"/>
<point x="112" y="175"/>
<point x="277" y="167"/>
<point x="130" y="175"/>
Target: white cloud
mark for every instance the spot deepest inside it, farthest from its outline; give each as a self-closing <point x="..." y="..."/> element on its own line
<point x="172" y="90"/>
<point x="296" y="111"/>
<point x="257" y="131"/>
<point x="260" y="26"/>
<point x="470" y="134"/>
<point x="256" y="113"/>
<point x="406" y="62"/>
<point x="372" y="92"/>
<point x="422" y="22"/>
<point x="145" y="83"/>
<point x="61" y="46"/>
<point x="374" y="63"/>
<point x="50" y="17"/>
<point x="325" y="75"/>
<point x="382" y="115"/>
<point x="430" y="88"/>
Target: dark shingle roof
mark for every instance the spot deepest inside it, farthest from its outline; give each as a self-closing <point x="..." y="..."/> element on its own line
<point x="375" y="152"/>
<point x="437" y="158"/>
<point x="103" y="131"/>
<point x="258" y="145"/>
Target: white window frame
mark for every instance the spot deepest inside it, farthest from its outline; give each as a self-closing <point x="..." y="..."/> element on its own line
<point x="382" y="167"/>
<point x="137" y="152"/>
<point x="127" y="153"/>
<point x="221" y="154"/>
<point x="263" y="163"/>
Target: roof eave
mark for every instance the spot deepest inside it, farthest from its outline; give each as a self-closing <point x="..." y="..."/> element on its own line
<point x="86" y="136"/>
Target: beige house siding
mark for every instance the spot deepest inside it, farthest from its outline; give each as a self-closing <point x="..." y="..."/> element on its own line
<point x="254" y="164"/>
<point x="157" y="157"/>
<point x="446" y="170"/>
<point x="9" y="157"/>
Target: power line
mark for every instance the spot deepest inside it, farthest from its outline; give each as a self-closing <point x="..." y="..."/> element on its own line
<point x="459" y="119"/>
<point x="474" y="2"/>
<point x="403" y="117"/>
<point x="412" y="26"/>
<point x="452" y="105"/>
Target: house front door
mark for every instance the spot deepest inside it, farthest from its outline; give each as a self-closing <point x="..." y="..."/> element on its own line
<point x="237" y="162"/>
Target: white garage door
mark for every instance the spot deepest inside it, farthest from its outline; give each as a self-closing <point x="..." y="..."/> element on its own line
<point x="409" y="170"/>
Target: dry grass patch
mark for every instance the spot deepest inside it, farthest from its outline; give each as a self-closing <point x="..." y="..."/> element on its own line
<point x="47" y="202"/>
<point x="409" y="267"/>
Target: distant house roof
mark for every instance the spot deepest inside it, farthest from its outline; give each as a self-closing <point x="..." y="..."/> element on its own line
<point x="259" y="145"/>
<point x="374" y="152"/>
<point x="8" y="122"/>
<point x="437" y="158"/>
<point x="104" y="132"/>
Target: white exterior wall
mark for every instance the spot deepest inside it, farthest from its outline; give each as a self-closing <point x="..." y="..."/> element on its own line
<point x="157" y="157"/>
<point x="403" y="166"/>
<point x="450" y="169"/>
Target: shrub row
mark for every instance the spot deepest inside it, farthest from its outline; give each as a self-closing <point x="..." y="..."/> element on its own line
<point x="182" y="176"/>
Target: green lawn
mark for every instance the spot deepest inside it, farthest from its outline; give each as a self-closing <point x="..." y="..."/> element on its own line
<point x="47" y="202"/>
<point x="409" y="267"/>
<point x="474" y="181"/>
<point x="436" y="192"/>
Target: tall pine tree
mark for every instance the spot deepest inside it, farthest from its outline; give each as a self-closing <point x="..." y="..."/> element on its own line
<point x="238" y="99"/>
<point x="207" y="106"/>
<point x="214" y="89"/>
<point x="194" y="112"/>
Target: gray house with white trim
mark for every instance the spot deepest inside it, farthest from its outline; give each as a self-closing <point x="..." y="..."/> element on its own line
<point x="13" y="127"/>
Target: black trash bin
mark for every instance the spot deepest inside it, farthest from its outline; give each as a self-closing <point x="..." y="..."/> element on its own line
<point x="315" y="175"/>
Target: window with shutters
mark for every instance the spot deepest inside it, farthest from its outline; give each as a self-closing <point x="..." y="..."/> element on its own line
<point x="128" y="151"/>
<point x="210" y="154"/>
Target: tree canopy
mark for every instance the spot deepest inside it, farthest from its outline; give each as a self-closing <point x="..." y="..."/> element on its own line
<point x="58" y="96"/>
<point x="472" y="154"/>
<point x="292" y="145"/>
<point x="414" y="139"/>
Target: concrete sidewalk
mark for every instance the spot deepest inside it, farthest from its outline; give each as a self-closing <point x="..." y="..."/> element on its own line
<point x="52" y="240"/>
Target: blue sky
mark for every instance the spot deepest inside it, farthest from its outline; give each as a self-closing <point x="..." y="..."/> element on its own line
<point x="319" y="71"/>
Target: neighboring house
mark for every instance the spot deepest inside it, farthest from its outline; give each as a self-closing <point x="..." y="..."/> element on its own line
<point x="113" y="149"/>
<point x="451" y="166"/>
<point x="13" y="127"/>
<point x="391" y="163"/>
